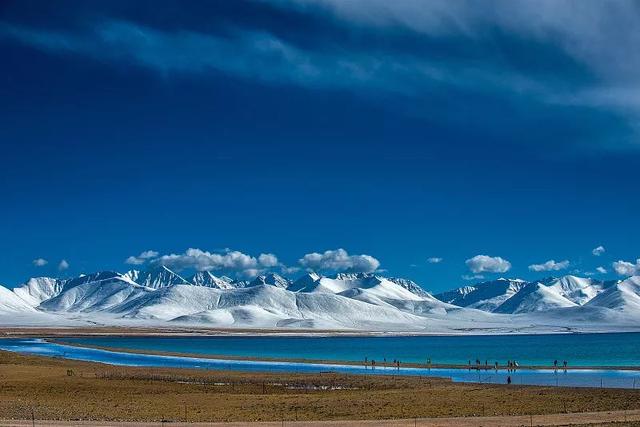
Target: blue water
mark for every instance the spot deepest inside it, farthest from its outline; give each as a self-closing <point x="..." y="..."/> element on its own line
<point x="616" y="349"/>
<point x="578" y="378"/>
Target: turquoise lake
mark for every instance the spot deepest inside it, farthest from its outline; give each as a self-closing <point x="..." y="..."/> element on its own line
<point x="612" y="349"/>
<point x="610" y="378"/>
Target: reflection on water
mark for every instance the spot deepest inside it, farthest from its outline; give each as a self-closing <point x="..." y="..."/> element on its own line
<point x="579" y="378"/>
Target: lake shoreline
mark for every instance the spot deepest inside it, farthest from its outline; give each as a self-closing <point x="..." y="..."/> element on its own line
<point x="186" y="331"/>
<point x="379" y="365"/>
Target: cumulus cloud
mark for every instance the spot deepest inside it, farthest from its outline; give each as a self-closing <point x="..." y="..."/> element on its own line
<point x="489" y="264"/>
<point x="63" y="265"/>
<point x="598" y="251"/>
<point x="434" y="260"/>
<point x="550" y="265"/>
<point x="339" y="260"/>
<point x="40" y="262"/>
<point x="268" y="260"/>
<point x="626" y="268"/>
<point x="142" y="258"/>
<point x="601" y="270"/>
<point x="205" y="261"/>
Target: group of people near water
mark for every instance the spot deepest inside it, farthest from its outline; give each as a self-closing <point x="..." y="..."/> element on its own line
<point x="511" y="365"/>
<point x="395" y="364"/>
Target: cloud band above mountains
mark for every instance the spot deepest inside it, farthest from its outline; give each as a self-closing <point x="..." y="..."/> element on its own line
<point x="244" y="265"/>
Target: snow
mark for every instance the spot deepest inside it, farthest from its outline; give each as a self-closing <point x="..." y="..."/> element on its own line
<point x="486" y="296"/>
<point x="10" y="302"/>
<point x="206" y="278"/>
<point x="577" y="289"/>
<point x="155" y="278"/>
<point x="357" y="302"/>
<point x="534" y="298"/>
<point x="271" y="279"/>
<point x="39" y="289"/>
<point x="623" y="296"/>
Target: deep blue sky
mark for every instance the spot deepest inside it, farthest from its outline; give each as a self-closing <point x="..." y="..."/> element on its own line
<point x="404" y="131"/>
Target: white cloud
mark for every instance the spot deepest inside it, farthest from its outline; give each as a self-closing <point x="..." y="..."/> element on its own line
<point x="601" y="270"/>
<point x="63" y="265"/>
<point x="489" y="264"/>
<point x="550" y="265"/>
<point x="625" y="268"/>
<point x="40" y="262"/>
<point x="204" y="261"/>
<point x="290" y="270"/>
<point x="132" y="260"/>
<point x="142" y="258"/>
<point x="339" y="260"/>
<point x="268" y="260"/>
<point x="434" y="260"/>
<point x="598" y="251"/>
<point x="472" y="277"/>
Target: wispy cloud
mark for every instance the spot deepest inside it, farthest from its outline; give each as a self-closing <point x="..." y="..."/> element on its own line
<point x="475" y="60"/>
<point x="434" y="260"/>
<point x="598" y="251"/>
<point x="596" y="34"/>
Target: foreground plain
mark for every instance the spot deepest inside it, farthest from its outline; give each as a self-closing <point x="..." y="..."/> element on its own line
<point x="55" y="389"/>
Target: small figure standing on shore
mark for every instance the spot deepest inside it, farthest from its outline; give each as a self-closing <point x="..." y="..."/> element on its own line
<point x="509" y="379"/>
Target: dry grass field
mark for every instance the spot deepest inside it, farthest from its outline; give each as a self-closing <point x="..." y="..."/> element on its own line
<point x="57" y="389"/>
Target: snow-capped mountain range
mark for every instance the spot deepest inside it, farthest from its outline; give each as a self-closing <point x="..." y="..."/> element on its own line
<point x="363" y="302"/>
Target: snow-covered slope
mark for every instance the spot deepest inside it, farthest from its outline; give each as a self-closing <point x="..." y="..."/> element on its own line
<point x="38" y="289"/>
<point x="342" y="283"/>
<point x="411" y="286"/>
<point x="576" y="289"/>
<point x="11" y="303"/>
<point x="206" y="278"/>
<point x="345" y="301"/>
<point x="156" y="277"/>
<point x="534" y="298"/>
<point x="486" y="296"/>
<point x="271" y="279"/>
<point x="100" y="294"/>
<point x="622" y="296"/>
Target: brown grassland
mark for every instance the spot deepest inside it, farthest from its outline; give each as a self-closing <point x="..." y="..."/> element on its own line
<point x="56" y="389"/>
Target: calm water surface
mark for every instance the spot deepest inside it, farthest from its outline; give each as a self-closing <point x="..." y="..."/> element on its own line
<point x="550" y="377"/>
<point x="613" y="349"/>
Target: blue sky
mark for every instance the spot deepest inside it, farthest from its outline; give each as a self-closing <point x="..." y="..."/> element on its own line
<point x="439" y="141"/>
